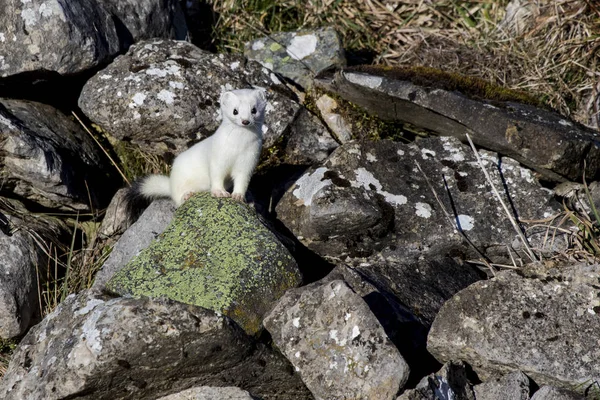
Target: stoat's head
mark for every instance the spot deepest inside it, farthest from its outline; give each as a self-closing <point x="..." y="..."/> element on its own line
<point x="244" y="107"/>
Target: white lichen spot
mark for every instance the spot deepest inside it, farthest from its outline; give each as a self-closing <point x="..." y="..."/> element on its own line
<point x="333" y="365"/>
<point x="400" y="152"/>
<point x="137" y="100"/>
<point x="258" y="45"/>
<point x="423" y="210"/>
<point x="234" y="65"/>
<point x="309" y="185"/>
<point x="564" y="122"/>
<point x="395" y="199"/>
<point x="119" y="94"/>
<point x="29" y="16"/>
<point x="105" y="76"/>
<point x="274" y="79"/>
<point x="166" y="96"/>
<point x="296" y="322"/>
<point x="369" y="81"/>
<point x="45" y="10"/>
<point x="297" y="354"/>
<point x="302" y="46"/>
<point x="427" y="154"/>
<point x="2" y="37"/>
<point x="347" y="316"/>
<point x="355" y="332"/>
<point x="176" y="85"/>
<point x="136" y="115"/>
<point x="91" y="304"/>
<point x="333" y="335"/>
<point x="466" y="222"/>
<point x="366" y="180"/>
<point x="371" y="157"/>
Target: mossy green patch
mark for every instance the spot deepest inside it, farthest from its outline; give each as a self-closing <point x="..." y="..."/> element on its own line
<point x="215" y="254"/>
<point x="451" y="81"/>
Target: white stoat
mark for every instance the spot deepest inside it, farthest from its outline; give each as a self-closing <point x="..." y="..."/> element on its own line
<point x="228" y="156"/>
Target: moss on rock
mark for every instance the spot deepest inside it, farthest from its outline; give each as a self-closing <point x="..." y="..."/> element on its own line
<point x="215" y="254"/>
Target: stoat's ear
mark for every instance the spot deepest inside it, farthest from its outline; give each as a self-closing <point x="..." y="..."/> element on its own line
<point x="226" y="98"/>
<point x="261" y="95"/>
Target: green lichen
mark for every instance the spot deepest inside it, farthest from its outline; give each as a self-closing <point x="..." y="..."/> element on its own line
<point x="215" y="254"/>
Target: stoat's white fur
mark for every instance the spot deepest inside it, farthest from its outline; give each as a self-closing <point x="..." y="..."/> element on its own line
<point x="227" y="157"/>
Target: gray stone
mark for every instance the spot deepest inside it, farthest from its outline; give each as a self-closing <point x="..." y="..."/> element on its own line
<point x="336" y="344"/>
<point x="144" y="231"/>
<point x="340" y="127"/>
<point x="210" y="393"/>
<point x="309" y="141"/>
<point x="100" y="348"/>
<point x="298" y="56"/>
<point x="71" y="37"/>
<point x="163" y="95"/>
<point x="552" y="393"/>
<point x="48" y="159"/>
<point x="542" y="321"/>
<point x="542" y="140"/>
<point x="370" y="197"/>
<point x="449" y="383"/>
<point x="216" y="254"/>
<point x="514" y="386"/>
<point x="18" y="284"/>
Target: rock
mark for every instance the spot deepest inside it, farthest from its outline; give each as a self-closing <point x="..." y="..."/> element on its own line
<point x="47" y="159"/>
<point x="450" y="382"/>
<point x="18" y="280"/>
<point x="163" y="95"/>
<point x="115" y="219"/>
<point x="511" y="386"/>
<point x="216" y="254"/>
<point x="210" y="393"/>
<point x="370" y="197"/>
<point x="140" y="20"/>
<point x="70" y="38"/>
<point x="336" y="344"/>
<point x="552" y="393"/>
<point x="298" y="56"/>
<point x="335" y="121"/>
<point x="545" y="141"/>
<point x="144" y="231"/>
<point x="95" y="347"/>
<point x="309" y="141"/>
<point x="541" y="321"/>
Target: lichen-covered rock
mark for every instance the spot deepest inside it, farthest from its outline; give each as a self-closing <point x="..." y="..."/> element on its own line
<point x="309" y="141"/>
<point x="94" y="347"/>
<point x="298" y="56"/>
<point x="339" y="125"/>
<point x="543" y="140"/>
<point x="552" y="393"/>
<point x="450" y="382"/>
<point x="48" y="159"/>
<point x="144" y="231"/>
<point x="370" y="197"/>
<point x="164" y="95"/>
<point x="336" y="344"/>
<point x="542" y="321"/>
<point x="216" y="254"/>
<point x="70" y="37"/>
<point x="18" y="284"/>
<point x="514" y="385"/>
<point x="210" y="393"/>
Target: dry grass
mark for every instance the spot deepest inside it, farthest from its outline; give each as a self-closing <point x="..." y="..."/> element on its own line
<point x="551" y="50"/>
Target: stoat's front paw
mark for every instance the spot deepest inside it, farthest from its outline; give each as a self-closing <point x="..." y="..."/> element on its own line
<point x="187" y="196"/>
<point x="239" y="197"/>
<point x="220" y="193"/>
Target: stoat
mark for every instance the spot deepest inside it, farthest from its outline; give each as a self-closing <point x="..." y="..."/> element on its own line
<point x="226" y="158"/>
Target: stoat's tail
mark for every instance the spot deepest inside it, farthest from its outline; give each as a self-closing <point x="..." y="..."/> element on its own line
<point x="143" y="191"/>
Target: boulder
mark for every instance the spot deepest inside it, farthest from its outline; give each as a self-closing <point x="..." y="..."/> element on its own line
<point x="163" y="95"/>
<point x="450" y="382"/>
<point x="140" y="235"/>
<point x="216" y="254"/>
<point x="552" y="393"/>
<point x="539" y="320"/>
<point x="101" y="348"/>
<point x="429" y="99"/>
<point x="336" y="344"/>
<point x="72" y="37"/>
<point x="298" y="56"/>
<point x="514" y="385"/>
<point x="210" y="393"/>
<point x="48" y="160"/>
<point x="370" y="198"/>
<point x="308" y="141"/>
<point x="20" y="256"/>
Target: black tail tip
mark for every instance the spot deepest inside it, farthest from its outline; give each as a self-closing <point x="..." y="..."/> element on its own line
<point x="135" y="201"/>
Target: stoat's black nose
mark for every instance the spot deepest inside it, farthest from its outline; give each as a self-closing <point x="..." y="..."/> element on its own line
<point x="245" y="122"/>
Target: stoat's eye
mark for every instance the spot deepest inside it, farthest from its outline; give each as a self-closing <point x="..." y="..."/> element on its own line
<point x="253" y="111"/>
<point x="235" y="111"/>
